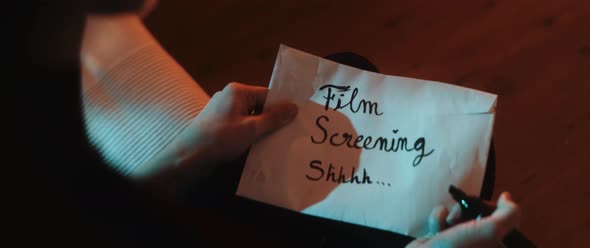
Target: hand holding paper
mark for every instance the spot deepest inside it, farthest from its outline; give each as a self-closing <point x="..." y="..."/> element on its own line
<point x="367" y="148"/>
<point x="224" y="123"/>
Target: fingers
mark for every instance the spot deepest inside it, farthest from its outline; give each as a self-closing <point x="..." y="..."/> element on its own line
<point x="417" y="243"/>
<point x="506" y="216"/>
<point x="254" y="96"/>
<point x="437" y="219"/>
<point x="468" y="234"/>
<point x="487" y="231"/>
<point x="454" y="216"/>
<point x="241" y="101"/>
<point x="273" y="118"/>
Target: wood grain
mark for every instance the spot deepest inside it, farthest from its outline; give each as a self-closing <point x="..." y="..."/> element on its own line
<point x="534" y="54"/>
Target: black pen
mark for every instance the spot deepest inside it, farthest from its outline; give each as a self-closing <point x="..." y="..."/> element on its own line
<point x="473" y="207"/>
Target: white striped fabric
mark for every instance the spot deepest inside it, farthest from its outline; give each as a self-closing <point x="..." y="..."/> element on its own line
<point x="138" y="107"/>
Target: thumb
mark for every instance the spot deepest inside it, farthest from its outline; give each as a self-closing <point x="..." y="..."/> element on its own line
<point x="507" y="214"/>
<point x="273" y="118"/>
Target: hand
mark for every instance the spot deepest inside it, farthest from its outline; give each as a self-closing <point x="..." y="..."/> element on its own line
<point x="226" y="128"/>
<point x="222" y="132"/>
<point x="447" y="231"/>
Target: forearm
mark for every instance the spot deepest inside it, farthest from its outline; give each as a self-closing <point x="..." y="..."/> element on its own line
<point x="137" y="99"/>
<point x="108" y="38"/>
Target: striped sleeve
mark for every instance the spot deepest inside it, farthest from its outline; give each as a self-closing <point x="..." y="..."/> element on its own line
<point x="138" y="106"/>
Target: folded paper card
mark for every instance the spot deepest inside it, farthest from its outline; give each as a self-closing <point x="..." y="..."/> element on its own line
<point x="368" y="148"/>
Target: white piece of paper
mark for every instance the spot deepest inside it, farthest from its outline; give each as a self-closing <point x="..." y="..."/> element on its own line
<point x="406" y="140"/>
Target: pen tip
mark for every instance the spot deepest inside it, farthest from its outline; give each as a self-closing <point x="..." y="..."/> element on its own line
<point x="456" y="193"/>
<point x="452" y="189"/>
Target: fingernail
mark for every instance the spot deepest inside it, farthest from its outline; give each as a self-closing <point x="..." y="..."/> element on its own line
<point x="507" y="196"/>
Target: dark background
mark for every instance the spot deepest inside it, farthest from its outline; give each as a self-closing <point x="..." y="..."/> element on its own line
<point x="534" y="54"/>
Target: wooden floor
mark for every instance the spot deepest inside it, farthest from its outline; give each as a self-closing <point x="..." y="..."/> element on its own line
<point x="534" y="54"/>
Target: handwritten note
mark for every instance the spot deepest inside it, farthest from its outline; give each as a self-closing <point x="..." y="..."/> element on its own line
<point x="368" y="148"/>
